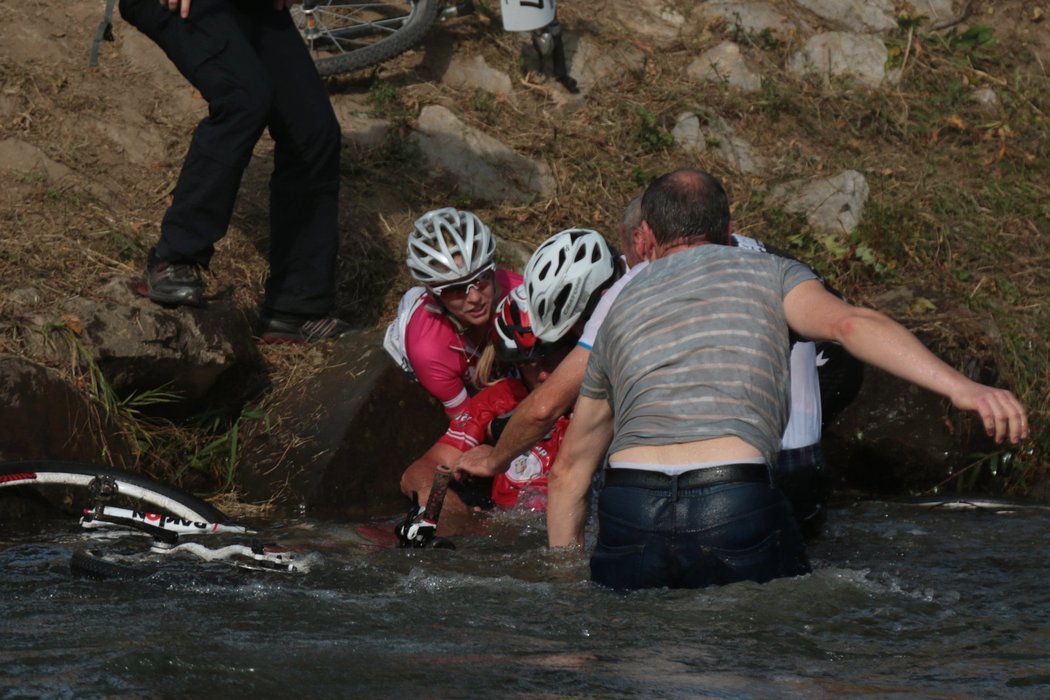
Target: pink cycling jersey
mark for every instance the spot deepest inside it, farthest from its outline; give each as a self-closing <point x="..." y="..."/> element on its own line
<point x="442" y="359"/>
<point x="525" y="482"/>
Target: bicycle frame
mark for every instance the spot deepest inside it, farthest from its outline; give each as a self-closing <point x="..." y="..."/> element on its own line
<point x="124" y="517"/>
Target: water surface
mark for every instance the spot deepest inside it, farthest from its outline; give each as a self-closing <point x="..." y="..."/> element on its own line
<point x="903" y="602"/>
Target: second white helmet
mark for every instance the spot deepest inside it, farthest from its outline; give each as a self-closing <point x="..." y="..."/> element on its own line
<point x="563" y="276"/>
<point x="448" y="245"/>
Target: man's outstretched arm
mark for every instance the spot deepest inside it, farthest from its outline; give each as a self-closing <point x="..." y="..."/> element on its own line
<point x="875" y="338"/>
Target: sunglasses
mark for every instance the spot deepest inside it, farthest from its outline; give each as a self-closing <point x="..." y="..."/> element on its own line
<point x="481" y="280"/>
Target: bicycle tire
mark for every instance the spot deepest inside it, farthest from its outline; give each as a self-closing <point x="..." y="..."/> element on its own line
<point x="417" y="23"/>
<point x="134" y="486"/>
<point x="93" y="565"/>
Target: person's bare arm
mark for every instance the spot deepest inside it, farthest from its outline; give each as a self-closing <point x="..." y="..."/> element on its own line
<point x="569" y="480"/>
<point x="532" y="419"/>
<point x="419" y="476"/>
<point x="880" y="341"/>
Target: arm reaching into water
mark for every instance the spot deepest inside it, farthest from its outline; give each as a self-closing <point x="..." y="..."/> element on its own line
<point x="880" y="341"/>
<point x="569" y="481"/>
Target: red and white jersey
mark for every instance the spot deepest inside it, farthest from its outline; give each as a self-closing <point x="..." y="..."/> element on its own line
<point x="525" y="482"/>
<point x="470" y="428"/>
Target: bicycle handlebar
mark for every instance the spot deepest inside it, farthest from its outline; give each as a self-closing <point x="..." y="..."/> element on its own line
<point x="420" y="523"/>
<point x="442" y="477"/>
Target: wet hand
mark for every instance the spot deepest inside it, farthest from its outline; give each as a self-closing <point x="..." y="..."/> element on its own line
<point x="475" y="462"/>
<point x="1002" y="414"/>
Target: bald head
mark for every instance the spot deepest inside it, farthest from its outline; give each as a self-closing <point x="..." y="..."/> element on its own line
<point x="686" y="206"/>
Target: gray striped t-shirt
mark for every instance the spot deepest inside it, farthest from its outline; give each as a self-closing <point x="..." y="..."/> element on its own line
<point x="696" y="347"/>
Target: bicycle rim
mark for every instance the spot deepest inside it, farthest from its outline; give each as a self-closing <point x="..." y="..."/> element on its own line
<point x="135" y="488"/>
<point x="99" y="566"/>
<point x="348" y="36"/>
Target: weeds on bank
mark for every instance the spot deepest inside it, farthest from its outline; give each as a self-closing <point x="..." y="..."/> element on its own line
<point x="204" y="449"/>
<point x="125" y="414"/>
<point x="220" y="451"/>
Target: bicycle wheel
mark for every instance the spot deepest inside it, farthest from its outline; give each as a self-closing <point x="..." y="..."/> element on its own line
<point x="348" y="36"/>
<point x="127" y="487"/>
<point x="96" y="565"/>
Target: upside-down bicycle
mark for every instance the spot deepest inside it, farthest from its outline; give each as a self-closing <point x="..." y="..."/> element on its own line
<point x="110" y="501"/>
<point x="165" y="521"/>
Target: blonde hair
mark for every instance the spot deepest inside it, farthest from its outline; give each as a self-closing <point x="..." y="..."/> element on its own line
<point x="487" y="370"/>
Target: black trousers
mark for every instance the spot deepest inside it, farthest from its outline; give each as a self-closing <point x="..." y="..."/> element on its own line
<point x="248" y="61"/>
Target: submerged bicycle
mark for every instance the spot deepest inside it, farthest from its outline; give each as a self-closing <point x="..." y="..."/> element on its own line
<point x="112" y="504"/>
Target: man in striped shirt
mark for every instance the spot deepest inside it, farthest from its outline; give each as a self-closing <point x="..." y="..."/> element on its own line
<point x="686" y="390"/>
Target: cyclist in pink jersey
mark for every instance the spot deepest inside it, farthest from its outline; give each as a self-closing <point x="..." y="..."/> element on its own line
<point x="525" y="483"/>
<point x="442" y="326"/>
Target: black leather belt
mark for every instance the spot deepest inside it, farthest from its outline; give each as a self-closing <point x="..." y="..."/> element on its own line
<point x="697" y="478"/>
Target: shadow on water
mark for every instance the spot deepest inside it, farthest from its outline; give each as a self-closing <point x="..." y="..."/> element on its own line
<point x="903" y="601"/>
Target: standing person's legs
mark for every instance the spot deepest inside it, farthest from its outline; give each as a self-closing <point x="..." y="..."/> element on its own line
<point x="304" y="188"/>
<point x="211" y="50"/>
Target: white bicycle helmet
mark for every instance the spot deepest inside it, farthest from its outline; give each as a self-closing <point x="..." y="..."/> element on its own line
<point x="563" y="276"/>
<point x="441" y="235"/>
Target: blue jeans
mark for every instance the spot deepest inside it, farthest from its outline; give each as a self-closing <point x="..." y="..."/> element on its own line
<point x="691" y="538"/>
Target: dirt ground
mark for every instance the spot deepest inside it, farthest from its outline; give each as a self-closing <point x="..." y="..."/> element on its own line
<point x="956" y="230"/>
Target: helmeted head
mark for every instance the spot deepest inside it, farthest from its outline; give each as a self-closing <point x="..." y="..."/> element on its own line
<point x="512" y="334"/>
<point x="451" y="252"/>
<point x="515" y="341"/>
<point x="449" y="246"/>
<point x="564" y="279"/>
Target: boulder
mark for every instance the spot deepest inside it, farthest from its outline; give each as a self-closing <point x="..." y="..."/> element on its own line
<point x="724" y="64"/>
<point x="697" y="132"/>
<point x="896" y="438"/>
<point x="344" y="438"/>
<point x="203" y="358"/>
<point x="855" y="15"/>
<point x="651" y="21"/>
<point x="833" y="204"/>
<point x="860" y="58"/>
<point x="472" y="72"/>
<point x="483" y="167"/>
<point x="753" y="17"/>
<point x="47" y="417"/>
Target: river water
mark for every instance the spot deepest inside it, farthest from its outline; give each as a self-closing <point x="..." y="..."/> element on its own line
<point x="903" y="602"/>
